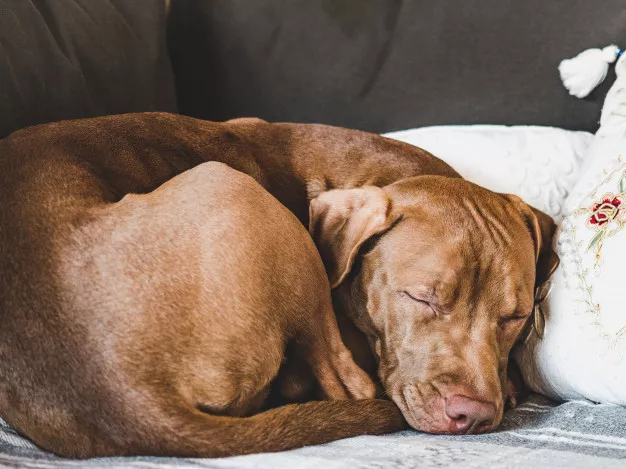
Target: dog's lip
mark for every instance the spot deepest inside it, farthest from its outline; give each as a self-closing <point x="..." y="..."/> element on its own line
<point x="401" y="401"/>
<point x="417" y="422"/>
<point x="428" y="422"/>
<point x="442" y="425"/>
<point x="406" y="409"/>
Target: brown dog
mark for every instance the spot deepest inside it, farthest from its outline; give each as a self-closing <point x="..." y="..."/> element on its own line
<point x="437" y="274"/>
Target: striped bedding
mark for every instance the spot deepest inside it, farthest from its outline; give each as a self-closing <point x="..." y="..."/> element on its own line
<point x="539" y="433"/>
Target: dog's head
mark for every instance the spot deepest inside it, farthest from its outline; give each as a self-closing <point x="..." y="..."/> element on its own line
<point x="440" y="275"/>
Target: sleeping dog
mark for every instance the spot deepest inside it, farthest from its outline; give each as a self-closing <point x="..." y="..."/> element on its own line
<point x="148" y="302"/>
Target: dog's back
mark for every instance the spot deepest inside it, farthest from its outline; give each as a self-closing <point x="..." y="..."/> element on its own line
<point x="115" y="304"/>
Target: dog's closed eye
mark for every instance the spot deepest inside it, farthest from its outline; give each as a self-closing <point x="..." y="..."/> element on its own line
<point x="424" y="305"/>
<point x="512" y="320"/>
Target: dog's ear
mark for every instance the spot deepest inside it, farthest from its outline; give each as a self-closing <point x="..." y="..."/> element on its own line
<point x="542" y="229"/>
<point x="547" y="260"/>
<point x="341" y="220"/>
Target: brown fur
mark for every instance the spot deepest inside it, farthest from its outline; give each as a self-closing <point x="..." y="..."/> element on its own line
<point x="132" y="324"/>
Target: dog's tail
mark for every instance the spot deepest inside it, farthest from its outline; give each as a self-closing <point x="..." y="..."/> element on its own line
<point x="292" y="426"/>
<point x="192" y="433"/>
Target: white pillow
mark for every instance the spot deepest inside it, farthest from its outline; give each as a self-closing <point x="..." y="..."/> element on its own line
<point x="583" y="350"/>
<point x="539" y="164"/>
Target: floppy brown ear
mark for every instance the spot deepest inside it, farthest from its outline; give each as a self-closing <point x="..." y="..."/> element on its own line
<point x="547" y="260"/>
<point x="542" y="229"/>
<point x="341" y="220"/>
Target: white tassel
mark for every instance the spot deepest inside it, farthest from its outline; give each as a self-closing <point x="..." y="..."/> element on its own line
<point x="581" y="74"/>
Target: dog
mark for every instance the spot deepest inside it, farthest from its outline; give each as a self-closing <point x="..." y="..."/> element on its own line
<point x="437" y="276"/>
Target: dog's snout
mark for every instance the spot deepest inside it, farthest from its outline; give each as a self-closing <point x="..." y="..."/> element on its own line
<point x="469" y="415"/>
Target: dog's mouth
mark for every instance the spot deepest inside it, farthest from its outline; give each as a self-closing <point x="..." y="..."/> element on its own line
<point x="429" y="414"/>
<point x="419" y="415"/>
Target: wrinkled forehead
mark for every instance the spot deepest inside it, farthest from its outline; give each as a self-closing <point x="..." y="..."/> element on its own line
<point x="462" y="215"/>
<point x="450" y="267"/>
<point x="454" y="240"/>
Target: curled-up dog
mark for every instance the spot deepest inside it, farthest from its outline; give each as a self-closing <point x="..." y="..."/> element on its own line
<point x="146" y="307"/>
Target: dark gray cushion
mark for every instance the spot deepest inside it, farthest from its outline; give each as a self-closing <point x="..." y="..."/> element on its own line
<point x="62" y="59"/>
<point x="388" y="64"/>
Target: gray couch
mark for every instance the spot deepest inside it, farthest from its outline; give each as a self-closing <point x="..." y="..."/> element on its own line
<point x="378" y="65"/>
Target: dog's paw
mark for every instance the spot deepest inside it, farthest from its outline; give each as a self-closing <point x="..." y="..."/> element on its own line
<point x="341" y="378"/>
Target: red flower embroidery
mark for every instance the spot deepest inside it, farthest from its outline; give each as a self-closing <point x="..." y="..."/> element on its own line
<point x="604" y="211"/>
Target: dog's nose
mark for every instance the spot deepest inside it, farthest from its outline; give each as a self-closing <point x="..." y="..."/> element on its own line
<point x="469" y="415"/>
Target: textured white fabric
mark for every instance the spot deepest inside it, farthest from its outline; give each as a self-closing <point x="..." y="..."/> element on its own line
<point x="539" y="164"/>
<point x="582" y="353"/>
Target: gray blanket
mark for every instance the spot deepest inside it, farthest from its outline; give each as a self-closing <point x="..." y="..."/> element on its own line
<point x="537" y="434"/>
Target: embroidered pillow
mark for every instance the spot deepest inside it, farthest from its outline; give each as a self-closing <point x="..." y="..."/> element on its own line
<point x="582" y="353"/>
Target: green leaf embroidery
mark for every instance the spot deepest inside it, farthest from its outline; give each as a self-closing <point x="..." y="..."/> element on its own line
<point x="622" y="183"/>
<point x="595" y="239"/>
